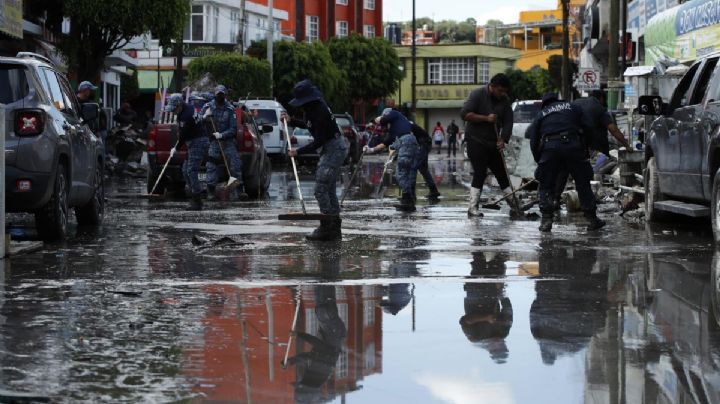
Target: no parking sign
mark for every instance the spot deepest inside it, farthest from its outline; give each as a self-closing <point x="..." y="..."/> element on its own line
<point x="588" y="80"/>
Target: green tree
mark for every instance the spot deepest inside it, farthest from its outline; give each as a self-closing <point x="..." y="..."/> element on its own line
<point x="296" y="61"/>
<point x="529" y="85"/>
<point x="240" y="74"/>
<point x="371" y="65"/>
<point x="555" y="68"/>
<point x="98" y="28"/>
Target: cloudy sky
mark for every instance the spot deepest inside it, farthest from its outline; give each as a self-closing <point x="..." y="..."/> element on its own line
<point x="482" y="10"/>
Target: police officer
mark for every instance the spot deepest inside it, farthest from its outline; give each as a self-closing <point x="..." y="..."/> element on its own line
<point x="595" y="110"/>
<point x="401" y="139"/>
<point x="85" y="92"/>
<point x="190" y="132"/>
<point x="558" y="142"/>
<point x="223" y="122"/>
<point x="320" y="122"/>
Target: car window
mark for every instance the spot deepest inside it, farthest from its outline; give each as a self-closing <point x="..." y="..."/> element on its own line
<point x="681" y="96"/>
<point x="526" y="113"/>
<point x="265" y="116"/>
<point x="703" y="81"/>
<point x="52" y="88"/>
<point x="71" y="103"/>
<point x="13" y="83"/>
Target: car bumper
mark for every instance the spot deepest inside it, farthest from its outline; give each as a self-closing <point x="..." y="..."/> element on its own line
<point x="27" y="201"/>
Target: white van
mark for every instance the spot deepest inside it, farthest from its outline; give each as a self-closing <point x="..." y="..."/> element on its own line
<point x="267" y="112"/>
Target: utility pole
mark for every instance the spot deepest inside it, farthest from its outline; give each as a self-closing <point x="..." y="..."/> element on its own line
<point x="414" y="61"/>
<point x="566" y="51"/>
<point x="243" y="24"/>
<point x="613" y="52"/>
<point x="624" y="36"/>
<point x="271" y="40"/>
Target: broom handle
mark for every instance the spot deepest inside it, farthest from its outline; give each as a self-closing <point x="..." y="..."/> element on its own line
<point x="292" y="159"/>
<point x="162" y="172"/>
<point x="222" y="152"/>
<point x="293" y="329"/>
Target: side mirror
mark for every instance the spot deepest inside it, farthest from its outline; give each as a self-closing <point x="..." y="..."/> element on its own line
<point x="652" y="105"/>
<point x="267" y="129"/>
<point x="90" y="112"/>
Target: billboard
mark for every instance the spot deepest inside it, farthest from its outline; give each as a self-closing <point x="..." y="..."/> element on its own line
<point x="11" y="17"/>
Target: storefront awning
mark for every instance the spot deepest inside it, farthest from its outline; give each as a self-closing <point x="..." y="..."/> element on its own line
<point x="439" y="104"/>
<point x="639" y="71"/>
<point x="148" y="80"/>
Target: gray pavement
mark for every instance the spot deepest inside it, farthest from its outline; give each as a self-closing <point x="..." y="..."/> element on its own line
<point x="424" y="307"/>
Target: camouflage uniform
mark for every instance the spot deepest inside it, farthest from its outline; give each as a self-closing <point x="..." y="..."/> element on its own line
<point x="225" y="123"/>
<point x="331" y="159"/>
<point x="196" y="150"/>
<point x="408" y="150"/>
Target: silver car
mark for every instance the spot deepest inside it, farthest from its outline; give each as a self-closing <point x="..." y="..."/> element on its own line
<point x="53" y="161"/>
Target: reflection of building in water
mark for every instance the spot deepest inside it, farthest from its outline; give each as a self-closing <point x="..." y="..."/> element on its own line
<point x="229" y="367"/>
<point x="662" y="340"/>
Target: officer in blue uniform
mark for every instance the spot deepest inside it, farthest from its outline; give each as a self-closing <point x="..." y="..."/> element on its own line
<point x="558" y="142"/>
<point x="400" y="138"/>
<point x="223" y="123"/>
<point x="320" y="122"/>
<point x="190" y="132"/>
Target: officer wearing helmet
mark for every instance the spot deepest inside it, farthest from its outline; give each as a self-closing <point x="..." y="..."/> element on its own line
<point x="221" y="116"/>
<point x="190" y="132"/>
<point x="558" y="140"/>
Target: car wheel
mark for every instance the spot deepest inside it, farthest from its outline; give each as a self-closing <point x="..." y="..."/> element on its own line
<point x="652" y="192"/>
<point x="92" y="214"/>
<point x="52" y="219"/>
<point x="152" y="177"/>
<point x="715" y="207"/>
<point x="715" y="290"/>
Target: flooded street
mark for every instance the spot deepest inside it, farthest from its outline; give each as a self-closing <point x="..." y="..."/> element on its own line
<point x="419" y="308"/>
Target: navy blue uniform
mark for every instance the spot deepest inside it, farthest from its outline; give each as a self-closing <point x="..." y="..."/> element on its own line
<point x="192" y="133"/>
<point x="225" y="122"/>
<point x="400" y="137"/>
<point x="558" y="143"/>
<point x="326" y="134"/>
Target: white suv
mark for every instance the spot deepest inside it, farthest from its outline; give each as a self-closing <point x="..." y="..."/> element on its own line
<point x="267" y="112"/>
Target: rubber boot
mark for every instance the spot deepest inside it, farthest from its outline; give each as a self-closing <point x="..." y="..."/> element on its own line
<point x="514" y="203"/>
<point x="241" y="194"/>
<point x="329" y="230"/>
<point x="434" y="193"/>
<point x="595" y="222"/>
<point x="407" y="203"/>
<point x="195" y="203"/>
<point x="474" y="208"/>
<point x="546" y="223"/>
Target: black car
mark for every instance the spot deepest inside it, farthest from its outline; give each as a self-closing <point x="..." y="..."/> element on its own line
<point x="53" y="160"/>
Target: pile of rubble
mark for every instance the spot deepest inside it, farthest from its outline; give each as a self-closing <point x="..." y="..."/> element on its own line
<point x="126" y="152"/>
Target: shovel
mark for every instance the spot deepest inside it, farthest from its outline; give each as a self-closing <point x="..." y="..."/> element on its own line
<point x="389" y="161"/>
<point x="152" y="193"/>
<point x="516" y="203"/>
<point x="232" y="182"/>
<point x="496" y="205"/>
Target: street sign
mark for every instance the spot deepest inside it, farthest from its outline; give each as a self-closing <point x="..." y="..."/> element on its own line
<point x="588" y="80"/>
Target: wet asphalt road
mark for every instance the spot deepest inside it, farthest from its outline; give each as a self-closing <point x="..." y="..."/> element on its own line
<point x="419" y="308"/>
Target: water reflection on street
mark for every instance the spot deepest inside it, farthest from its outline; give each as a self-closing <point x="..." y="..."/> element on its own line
<point x="428" y="307"/>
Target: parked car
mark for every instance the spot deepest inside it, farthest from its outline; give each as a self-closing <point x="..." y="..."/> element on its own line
<point x="682" y="153"/>
<point x="347" y="125"/>
<point x="256" y="167"/>
<point x="300" y="138"/>
<point x="53" y="161"/>
<point x="267" y="112"/>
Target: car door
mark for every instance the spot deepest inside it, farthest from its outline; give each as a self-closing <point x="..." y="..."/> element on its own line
<point x="693" y="137"/>
<point x="669" y="132"/>
<point x="85" y="145"/>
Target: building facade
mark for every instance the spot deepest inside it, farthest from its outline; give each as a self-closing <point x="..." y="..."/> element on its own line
<point x="446" y="74"/>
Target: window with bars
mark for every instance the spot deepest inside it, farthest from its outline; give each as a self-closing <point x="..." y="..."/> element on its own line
<point x="341" y="29"/>
<point x="368" y="314"/>
<point x="234" y="21"/>
<point x="484" y="70"/>
<point x="341" y="367"/>
<point x="451" y="71"/>
<point x="369" y="31"/>
<point x="312" y="28"/>
<point x="369" y="4"/>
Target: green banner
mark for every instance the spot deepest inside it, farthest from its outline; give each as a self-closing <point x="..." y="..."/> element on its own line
<point x="11" y="17"/>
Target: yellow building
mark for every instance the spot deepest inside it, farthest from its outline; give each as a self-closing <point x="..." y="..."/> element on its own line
<point x="446" y="74"/>
<point x="538" y="35"/>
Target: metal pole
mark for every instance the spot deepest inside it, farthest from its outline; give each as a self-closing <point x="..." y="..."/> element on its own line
<point x="566" y="52"/>
<point x="179" y="67"/>
<point x="242" y="26"/>
<point x="624" y="38"/>
<point x="414" y="61"/>
<point x="613" y="51"/>
<point x="2" y="180"/>
<point x="271" y="39"/>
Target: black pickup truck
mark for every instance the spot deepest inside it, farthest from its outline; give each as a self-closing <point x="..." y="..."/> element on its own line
<point x="683" y="147"/>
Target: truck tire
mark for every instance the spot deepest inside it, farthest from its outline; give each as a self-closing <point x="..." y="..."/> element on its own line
<point x="652" y="193"/>
<point x="93" y="212"/>
<point x="257" y="186"/>
<point x="51" y="220"/>
<point x="715" y="207"/>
